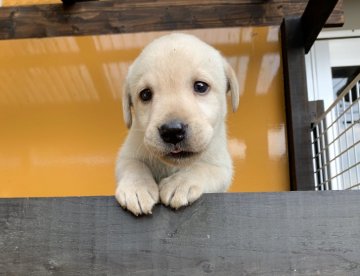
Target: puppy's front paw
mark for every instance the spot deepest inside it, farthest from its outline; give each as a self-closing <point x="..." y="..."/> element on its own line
<point x="175" y="191"/>
<point x="138" y="199"/>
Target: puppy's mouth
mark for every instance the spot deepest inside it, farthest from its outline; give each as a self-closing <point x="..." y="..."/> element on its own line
<point x="180" y="154"/>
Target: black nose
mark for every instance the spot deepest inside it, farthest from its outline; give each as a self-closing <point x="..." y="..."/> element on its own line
<point x="173" y="132"/>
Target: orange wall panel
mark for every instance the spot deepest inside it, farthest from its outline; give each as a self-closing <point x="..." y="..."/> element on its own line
<point x="28" y="2"/>
<point x="61" y="118"/>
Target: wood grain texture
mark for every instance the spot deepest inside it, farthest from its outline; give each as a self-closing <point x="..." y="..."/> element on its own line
<point x="298" y="117"/>
<point x="108" y="17"/>
<point x="294" y="233"/>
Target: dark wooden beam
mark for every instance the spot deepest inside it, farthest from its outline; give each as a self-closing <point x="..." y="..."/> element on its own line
<point x="314" y="18"/>
<point x="302" y="233"/>
<point x="296" y="105"/>
<point x="108" y="17"/>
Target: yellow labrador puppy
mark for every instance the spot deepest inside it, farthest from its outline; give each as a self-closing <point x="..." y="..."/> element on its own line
<point x="174" y="102"/>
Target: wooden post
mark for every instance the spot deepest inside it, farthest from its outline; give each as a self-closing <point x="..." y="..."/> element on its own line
<point x="296" y="104"/>
<point x="298" y="34"/>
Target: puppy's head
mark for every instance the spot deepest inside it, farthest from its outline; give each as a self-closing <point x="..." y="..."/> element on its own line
<point x="175" y="95"/>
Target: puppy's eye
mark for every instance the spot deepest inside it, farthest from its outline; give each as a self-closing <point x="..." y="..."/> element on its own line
<point x="201" y="87"/>
<point x="145" y="95"/>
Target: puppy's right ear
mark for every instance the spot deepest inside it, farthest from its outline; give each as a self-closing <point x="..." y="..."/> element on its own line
<point x="126" y="104"/>
<point x="233" y="85"/>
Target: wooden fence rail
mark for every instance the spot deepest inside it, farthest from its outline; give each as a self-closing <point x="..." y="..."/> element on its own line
<point x="293" y="233"/>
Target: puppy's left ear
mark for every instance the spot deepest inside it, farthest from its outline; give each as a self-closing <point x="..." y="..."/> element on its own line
<point x="232" y="85"/>
<point x="126" y="104"/>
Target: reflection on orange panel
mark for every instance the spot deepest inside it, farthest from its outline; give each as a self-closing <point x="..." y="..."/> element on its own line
<point x="28" y="2"/>
<point x="61" y="119"/>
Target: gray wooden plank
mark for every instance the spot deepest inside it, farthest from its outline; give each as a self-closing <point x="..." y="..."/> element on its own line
<point x="293" y="233"/>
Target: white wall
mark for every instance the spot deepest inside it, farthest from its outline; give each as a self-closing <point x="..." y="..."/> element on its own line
<point x="345" y="52"/>
<point x="335" y="47"/>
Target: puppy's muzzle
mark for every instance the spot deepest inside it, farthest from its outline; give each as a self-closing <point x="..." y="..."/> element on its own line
<point x="173" y="132"/>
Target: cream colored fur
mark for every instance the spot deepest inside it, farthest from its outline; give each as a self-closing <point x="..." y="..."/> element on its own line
<point x="169" y="66"/>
